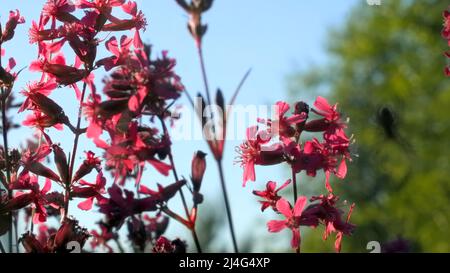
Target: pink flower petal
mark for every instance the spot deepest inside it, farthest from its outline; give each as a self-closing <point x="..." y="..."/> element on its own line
<point x="284" y="207"/>
<point x="282" y="108"/>
<point x="113" y="46"/>
<point x="249" y="172"/>
<point x="285" y="184"/>
<point x="276" y="225"/>
<point x="322" y="104"/>
<point x="160" y="166"/>
<point x="47" y="186"/>
<point x="87" y="204"/>
<point x="300" y="205"/>
<point x="342" y="170"/>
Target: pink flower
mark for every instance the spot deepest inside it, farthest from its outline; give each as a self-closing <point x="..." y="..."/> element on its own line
<point x="284" y="126"/>
<point x="91" y="162"/>
<point x="253" y="153"/>
<point x="35" y="196"/>
<point x="37" y="33"/>
<point x="324" y="109"/>
<point x="316" y="156"/>
<point x="137" y="22"/>
<point x="58" y="9"/>
<point x="102" y="238"/>
<point x="121" y="54"/>
<point x="331" y="121"/>
<point x="31" y="162"/>
<point x="292" y="219"/>
<point x="58" y="70"/>
<point x="42" y="121"/>
<point x="14" y="19"/>
<point x="102" y="6"/>
<point x="42" y="87"/>
<point x="331" y="217"/>
<point x="69" y="231"/>
<point x="128" y="152"/>
<point x="270" y="194"/>
<point x="90" y="192"/>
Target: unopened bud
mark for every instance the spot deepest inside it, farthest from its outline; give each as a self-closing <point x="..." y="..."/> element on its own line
<point x="198" y="168"/>
<point x="61" y="163"/>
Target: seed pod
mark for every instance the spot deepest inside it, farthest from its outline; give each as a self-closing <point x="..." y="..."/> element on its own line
<point x="16" y="203"/>
<point x="198" y="168"/>
<point x="45" y="104"/>
<point x="61" y="163"/>
<point x="39" y="169"/>
<point x="109" y="108"/>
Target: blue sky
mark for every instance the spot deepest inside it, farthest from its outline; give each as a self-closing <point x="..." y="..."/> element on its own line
<point x="273" y="38"/>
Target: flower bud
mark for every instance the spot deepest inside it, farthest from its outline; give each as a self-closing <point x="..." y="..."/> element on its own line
<point x="198" y="168"/>
<point x="195" y="10"/>
<point x="301" y="108"/>
<point x="61" y="163"/>
<point x="88" y="165"/>
<point x="39" y="169"/>
<point x="16" y="203"/>
<point x="14" y="20"/>
<point x="45" y="104"/>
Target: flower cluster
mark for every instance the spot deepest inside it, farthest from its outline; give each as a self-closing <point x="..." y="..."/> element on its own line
<point x="127" y="121"/>
<point x="280" y="141"/>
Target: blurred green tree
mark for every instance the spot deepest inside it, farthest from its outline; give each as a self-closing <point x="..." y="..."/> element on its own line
<point x="386" y="71"/>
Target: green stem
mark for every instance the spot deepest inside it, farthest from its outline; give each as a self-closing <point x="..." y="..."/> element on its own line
<point x="227" y="206"/>
<point x="204" y="76"/>
<point x="294" y="189"/>
<point x="74" y="152"/>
